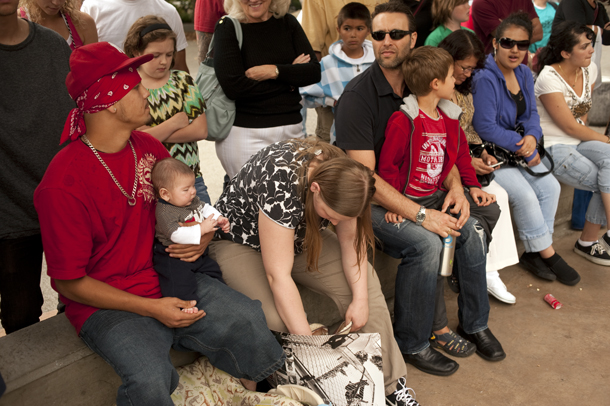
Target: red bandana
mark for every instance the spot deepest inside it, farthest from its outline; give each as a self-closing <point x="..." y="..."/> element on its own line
<point x="102" y="94"/>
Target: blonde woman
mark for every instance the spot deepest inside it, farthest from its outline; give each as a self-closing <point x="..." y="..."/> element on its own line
<point x="63" y="17"/>
<point x="263" y="77"/>
<point x="448" y="17"/>
<point x="279" y="205"/>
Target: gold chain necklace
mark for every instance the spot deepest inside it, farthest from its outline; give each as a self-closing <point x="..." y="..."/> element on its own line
<point x="130" y="199"/>
<point x="575" y="78"/>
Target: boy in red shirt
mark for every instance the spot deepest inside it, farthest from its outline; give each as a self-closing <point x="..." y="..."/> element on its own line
<point x="429" y="122"/>
<point x="423" y="142"/>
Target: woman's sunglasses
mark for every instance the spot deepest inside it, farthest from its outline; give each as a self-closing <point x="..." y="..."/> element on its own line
<point x="508" y="43"/>
<point x="394" y="34"/>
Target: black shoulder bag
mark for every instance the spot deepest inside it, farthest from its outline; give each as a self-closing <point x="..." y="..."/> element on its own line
<point x="512" y="159"/>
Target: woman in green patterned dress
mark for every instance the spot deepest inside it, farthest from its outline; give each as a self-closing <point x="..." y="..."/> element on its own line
<point x="176" y="106"/>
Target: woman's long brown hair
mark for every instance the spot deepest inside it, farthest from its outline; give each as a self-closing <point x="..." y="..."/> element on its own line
<point x="346" y="186"/>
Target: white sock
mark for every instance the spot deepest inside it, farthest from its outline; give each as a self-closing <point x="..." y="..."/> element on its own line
<point x="608" y="233"/>
<point x="586" y="243"/>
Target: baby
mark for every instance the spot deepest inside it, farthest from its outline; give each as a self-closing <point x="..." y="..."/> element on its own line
<point x="181" y="219"/>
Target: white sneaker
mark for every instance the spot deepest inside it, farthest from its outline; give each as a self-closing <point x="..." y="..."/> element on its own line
<point x="497" y="289"/>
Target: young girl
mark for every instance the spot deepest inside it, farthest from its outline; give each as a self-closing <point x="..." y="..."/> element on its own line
<point x="176" y="106"/>
<point x="63" y="17"/>
<point x="448" y="16"/>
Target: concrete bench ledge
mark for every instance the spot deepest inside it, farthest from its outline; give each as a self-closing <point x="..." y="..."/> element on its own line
<point x="47" y="364"/>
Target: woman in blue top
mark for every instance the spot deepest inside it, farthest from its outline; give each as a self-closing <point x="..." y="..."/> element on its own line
<point x="504" y="100"/>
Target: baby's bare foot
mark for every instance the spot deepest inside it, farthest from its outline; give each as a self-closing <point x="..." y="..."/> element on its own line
<point x="190" y="310"/>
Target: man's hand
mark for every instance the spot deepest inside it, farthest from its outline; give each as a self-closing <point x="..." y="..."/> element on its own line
<point x="455" y="197"/>
<point x="441" y="223"/>
<point x="358" y="314"/>
<point x="168" y="311"/>
<point x="190" y="252"/>
<point x="481" y="198"/>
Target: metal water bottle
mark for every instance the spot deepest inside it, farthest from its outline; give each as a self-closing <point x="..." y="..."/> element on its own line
<point x="447" y="255"/>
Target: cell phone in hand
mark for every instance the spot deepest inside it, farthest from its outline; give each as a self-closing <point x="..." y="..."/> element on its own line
<point x="496" y="164"/>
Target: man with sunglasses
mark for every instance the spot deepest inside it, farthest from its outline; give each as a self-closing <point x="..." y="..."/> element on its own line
<point x="488" y="14"/>
<point x="362" y="114"/>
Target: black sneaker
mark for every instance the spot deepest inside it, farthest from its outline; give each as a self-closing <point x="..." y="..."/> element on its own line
<point x="605" y="242"/>
<point x="401" y="396"/>
<point x="564" y="272"/>
<point x="532" y="261"/>
<point x="595" y="253"/>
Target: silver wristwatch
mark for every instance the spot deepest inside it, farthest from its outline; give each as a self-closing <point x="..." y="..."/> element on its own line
<point x="421" y="216"/>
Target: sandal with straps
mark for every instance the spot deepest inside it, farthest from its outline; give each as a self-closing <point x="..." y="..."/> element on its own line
<point x="454" y="344"/>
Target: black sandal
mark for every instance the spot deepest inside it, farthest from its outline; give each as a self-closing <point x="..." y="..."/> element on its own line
<point x="454" y="344"/>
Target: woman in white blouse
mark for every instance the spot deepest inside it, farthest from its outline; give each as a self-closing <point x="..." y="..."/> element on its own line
<point x="581" y="155"/>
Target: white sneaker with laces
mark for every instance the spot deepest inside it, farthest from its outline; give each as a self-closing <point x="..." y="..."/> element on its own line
<point x="401" y="396"/>
<point x="497" y="288"/>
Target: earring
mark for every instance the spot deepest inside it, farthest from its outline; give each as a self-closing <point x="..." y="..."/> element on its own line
<point x="115" y="109"/>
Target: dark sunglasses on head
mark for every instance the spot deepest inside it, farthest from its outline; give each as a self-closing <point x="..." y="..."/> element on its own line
<point x="508" y="43"/>
<point x="394" y="34"/>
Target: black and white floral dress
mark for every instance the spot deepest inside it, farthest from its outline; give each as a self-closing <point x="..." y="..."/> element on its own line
<point x="268" y="182"/>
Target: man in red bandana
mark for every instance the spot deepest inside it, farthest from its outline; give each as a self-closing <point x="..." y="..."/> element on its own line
<point x="97" y="213"/>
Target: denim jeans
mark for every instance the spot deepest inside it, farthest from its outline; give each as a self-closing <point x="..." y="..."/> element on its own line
<point x="202" y="190"/>
<point x="420" y="252"/>
<point x="585" y="166"/>
<point x="534" y="203"/>
<point x="233" y="335"/>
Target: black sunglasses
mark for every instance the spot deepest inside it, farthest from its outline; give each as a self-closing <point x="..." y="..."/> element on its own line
<point x="394" y="34"/>
<point x="508" y="43"/>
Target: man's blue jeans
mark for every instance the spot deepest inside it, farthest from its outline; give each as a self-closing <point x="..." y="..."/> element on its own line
<point x="233" y="335"/>
<point x="420" y="253"/>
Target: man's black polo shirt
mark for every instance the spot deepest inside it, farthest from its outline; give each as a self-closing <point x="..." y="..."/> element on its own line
<point x="363" y="111"/>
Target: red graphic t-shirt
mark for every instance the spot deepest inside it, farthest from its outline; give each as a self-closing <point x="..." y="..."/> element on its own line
<point x="89" y="229"/>
<point x="427" y="170"/>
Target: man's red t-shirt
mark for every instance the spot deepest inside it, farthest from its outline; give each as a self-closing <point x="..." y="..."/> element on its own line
<point x="487" y="15"/>
<point x="207" y="14"/>
<point x="89" y="229"/>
